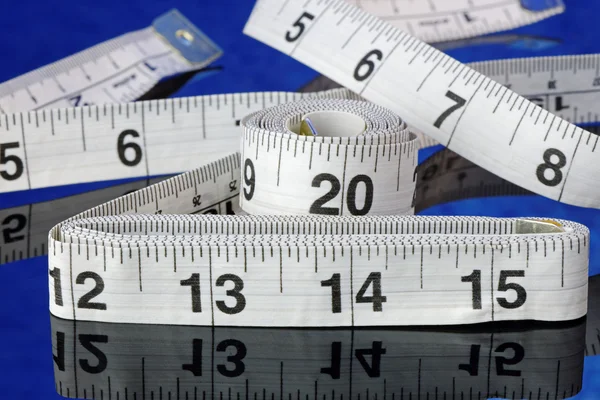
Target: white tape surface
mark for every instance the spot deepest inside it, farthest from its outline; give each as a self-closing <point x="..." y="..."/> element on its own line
<point x="471" y="114"/>
<point x="444" y="20"/>
<point x="316" y="270"/>
<point x="115" y="71"/>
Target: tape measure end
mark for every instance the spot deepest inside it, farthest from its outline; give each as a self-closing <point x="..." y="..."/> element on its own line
<point x="537" y="226"/>
<point x="186" y="38"/>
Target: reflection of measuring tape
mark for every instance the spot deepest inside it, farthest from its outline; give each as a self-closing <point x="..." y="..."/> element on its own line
<point x="438" y="20"/>
<point x="483" y="121"/>
<point x="119" y="70"/>
<point x="164" y="361"/>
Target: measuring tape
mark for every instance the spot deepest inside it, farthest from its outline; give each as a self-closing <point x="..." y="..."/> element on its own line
<point x="439" y="20"/>
<point x="437" y="95"/>
<point x="316" y="270"/>
<point x="119" y="70"/>
<point x="119" y="141"/>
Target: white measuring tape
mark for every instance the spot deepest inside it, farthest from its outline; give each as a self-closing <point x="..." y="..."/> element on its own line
<point x="118" y="70"/>
<point x="443" y="20"/>
<point x="437" y="95"/>
<point x="118" y="141"/>
<point x="260" y="264"/>
<point x="310" y="270"/>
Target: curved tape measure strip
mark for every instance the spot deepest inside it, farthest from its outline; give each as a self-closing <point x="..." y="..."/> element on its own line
<point x="207" y="126"/>
<point x="471" y="114"/>
<point x="315" y="270"/>
<point x="118" y="70"/>
<point x="442" y="20"/>
<point x="512" y="361"/>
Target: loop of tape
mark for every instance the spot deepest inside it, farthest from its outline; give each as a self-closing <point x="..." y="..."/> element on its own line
<point x="312" y="270"/>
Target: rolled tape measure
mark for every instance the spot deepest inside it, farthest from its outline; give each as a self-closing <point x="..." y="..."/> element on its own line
<point x="330" y="271"/>
<point x="119" y="70"/>
<point x="356" y="269"/>
<point x="439" y="96"/>
<point x="340" y="266"/>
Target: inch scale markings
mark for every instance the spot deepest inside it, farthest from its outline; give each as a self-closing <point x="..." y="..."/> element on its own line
<point x="119" y="70"/>
<point x="118" y="137"/>
<point x="242" y="253"/>
<point x="483" y="128"/>
<point x="440" y="20"/>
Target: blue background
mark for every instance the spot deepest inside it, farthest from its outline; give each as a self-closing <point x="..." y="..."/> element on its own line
<point x="35" y="33"/>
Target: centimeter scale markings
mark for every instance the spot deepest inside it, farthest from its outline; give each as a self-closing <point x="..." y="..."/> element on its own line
<point x="119" y="70"/>
<point x="471" y="114"/>
<point x="223" y="276"/>
<point x="154" y="137"/>
<point x="122" y="69"/>
<point x="127" y="361"/>
<point x="529" y="76"/>
<point x="442" y="20"/>
<point x="149" y="132"/>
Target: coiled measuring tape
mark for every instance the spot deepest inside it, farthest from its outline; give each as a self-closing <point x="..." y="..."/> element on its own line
<point x="377" y="159"/>
<point x="437" y="95"/>
<point x="24" y="228"/>
<point x="315" y="270"/>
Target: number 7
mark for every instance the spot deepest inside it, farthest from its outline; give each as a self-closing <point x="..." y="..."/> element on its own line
<point x="459" y="103"/>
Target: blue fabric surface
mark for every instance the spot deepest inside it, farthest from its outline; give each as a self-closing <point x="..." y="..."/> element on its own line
<point x="35" y="33"/>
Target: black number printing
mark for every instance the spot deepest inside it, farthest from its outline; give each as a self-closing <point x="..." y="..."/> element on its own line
<point x="318" y="206"/>
<point x="351" y="195"/>
<point x="240" y="300"/>
<point x="249" y="180"/>
<point x="336" y="296"/>
<point x="475" y="279"/>
<point x="10" y="158"/>
<point x="377" y="299"/>
<point x="503" y="286"/>
<point x="87" y="342"/>
<point x="122" y="147"/>
<point x="549" y="165"/>
<point x="373" y="279"/>
<point x="360" y="74"/>
<point x="55" y="275"/>
<point x="300" y="25"/>
<point x="194" y="282"/>
<point x="459" y="103"/>
<point x="9" y="234"/>
<point x="84" y="301"/>
<point x="196" y="200"/>
<point x="76" y="101"/>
